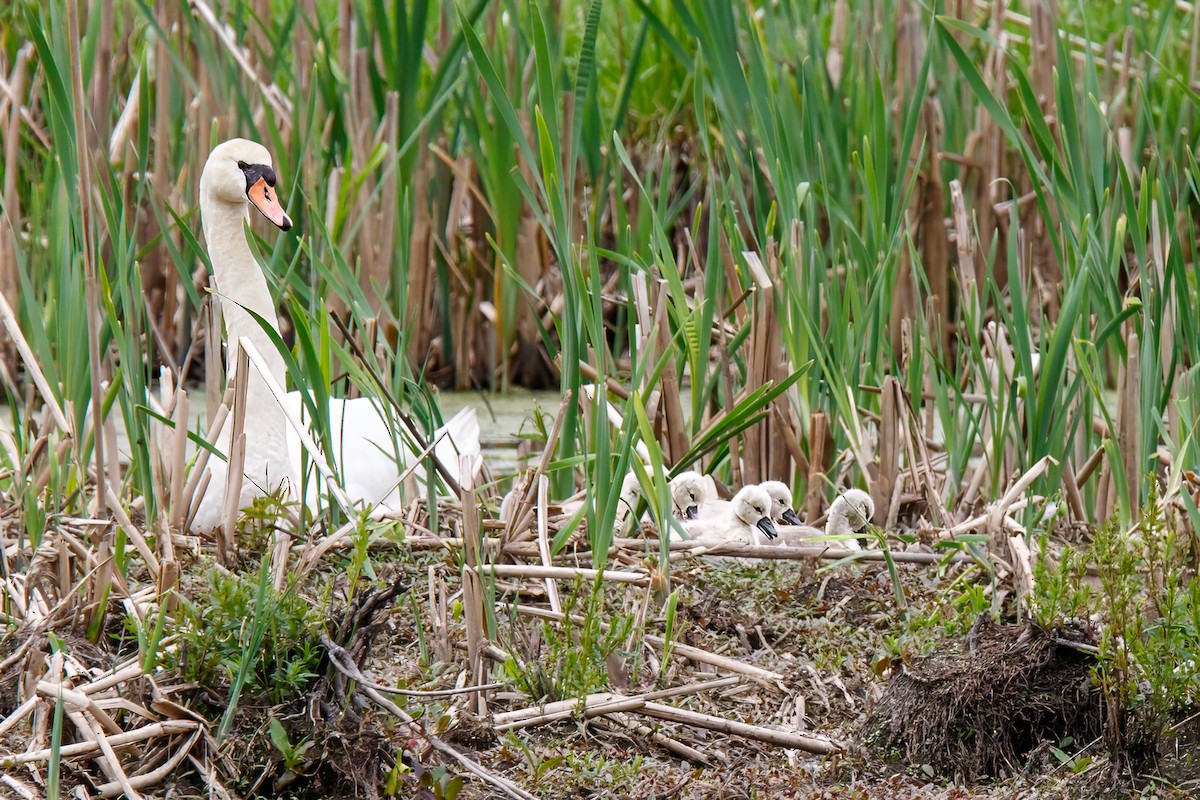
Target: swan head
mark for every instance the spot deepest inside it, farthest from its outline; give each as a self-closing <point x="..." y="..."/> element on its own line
<point x="781" y="502"/>
<point x="688" y="491"/>
<point x="854" y="508"/>
<point x="239" y="171"/>
<point x="752" y="505"/>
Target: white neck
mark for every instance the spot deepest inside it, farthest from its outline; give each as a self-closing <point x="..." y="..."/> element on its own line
<point x="838" y="523"/>
<point x="242" y="287"/>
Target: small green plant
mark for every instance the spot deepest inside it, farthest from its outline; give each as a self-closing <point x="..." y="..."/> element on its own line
<point x="1074" y="762"/>
<point x="1144" y="612"/>
<point x="574" y="657"/>
<point x="879" y="536"/>
<point x="1060" y="590"/>
<point x="670" y="632"/>
<point x="538" y="767"/>
<point x="606" y="775"/>
<point x="404" y="780"/>
<point x="293" y="754"/>
<point x="241" y="632"/>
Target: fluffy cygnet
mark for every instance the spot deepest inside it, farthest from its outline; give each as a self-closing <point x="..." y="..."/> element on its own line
<point x="630" y="492"/>
<point x="689" y="491"/>
<point x="849" y="513"/>
<point x="781" y="502"/>
<point x="748" y="515"/>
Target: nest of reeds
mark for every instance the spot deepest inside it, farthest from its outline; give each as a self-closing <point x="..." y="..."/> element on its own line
<point x="985" y="712"/>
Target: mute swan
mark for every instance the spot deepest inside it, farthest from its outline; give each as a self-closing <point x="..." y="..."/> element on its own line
<point x="849" y="513"/>
<point x="749" y="513"/>
<point x="781" y="502"/>
<point x="689" y="491"/>
<point x="372" y="456"/>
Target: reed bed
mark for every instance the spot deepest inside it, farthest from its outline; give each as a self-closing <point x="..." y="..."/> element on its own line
<point x="942" y="254"/>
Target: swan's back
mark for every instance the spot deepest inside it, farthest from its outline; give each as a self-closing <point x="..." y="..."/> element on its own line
<point x="372" y="456"/>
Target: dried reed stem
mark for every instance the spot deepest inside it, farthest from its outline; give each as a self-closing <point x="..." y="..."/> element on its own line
<point x="543" y="530"/>
<point x="472" y="588"/>
<point x="594" y="705"/>
<point x="797" y="741"/>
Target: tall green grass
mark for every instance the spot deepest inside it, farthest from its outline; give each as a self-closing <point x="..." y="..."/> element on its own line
<point x="577" y="120"/>
<point x="474" y="182"/>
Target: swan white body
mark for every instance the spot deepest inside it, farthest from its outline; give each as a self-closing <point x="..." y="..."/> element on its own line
<point x="748" y="516"/>
<point x="849" y="513"/>
<point x="371" y="455"/>
<point x="631" y="490"/>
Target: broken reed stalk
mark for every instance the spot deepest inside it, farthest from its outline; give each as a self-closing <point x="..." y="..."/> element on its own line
<point x="797" y="741"/>
<point x="1129" y="425"/>
<point x="561" y="573"/>
<point x="592" y="374"/>
<point x="472" y="588"/>
<point x="882" y="488"/>
<point x="178" y="458"/>
<point x="343" y="663"/>
<point x="765" y="454"/>
<point x="598" y="704"/>
<point x="8" y="319"/>
<point x="133" y="534"/>
<point x="675" y="434"/>
<point x="818" y="432"/>
<point x="611" y="722"/>
<point x="9" y="273"/>
<point x="543" y="542"/>
<point x="193" y="491"/>
<point x="677" y="648"/>
<point x="519" y="520"/>
<point x="155" y="777"/>
<point x="89" y="749"/>
<point x="122" y="782"/>
<point x="235" y="473"/>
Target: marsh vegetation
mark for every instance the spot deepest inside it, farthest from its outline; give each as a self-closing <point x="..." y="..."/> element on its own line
<point x="944" y="254"/>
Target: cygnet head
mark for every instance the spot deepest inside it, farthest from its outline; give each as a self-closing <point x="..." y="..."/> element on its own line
<point x="781" y="502"/>
<point x="752" y="505"/>
<point x="688" y="491"/>
<point x="853" y="509"/>
<point x="239" y="171"/>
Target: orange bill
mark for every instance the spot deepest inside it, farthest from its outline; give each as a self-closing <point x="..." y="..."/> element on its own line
<point x="267" y="202"/>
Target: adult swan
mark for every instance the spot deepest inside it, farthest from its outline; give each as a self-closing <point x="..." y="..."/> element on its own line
<point x="371" y="455"/>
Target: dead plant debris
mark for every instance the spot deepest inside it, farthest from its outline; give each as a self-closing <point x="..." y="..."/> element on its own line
<point x="986" y="708"/>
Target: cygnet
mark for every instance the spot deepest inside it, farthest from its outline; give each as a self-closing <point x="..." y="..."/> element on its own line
<point x="689" y="491"/>
<point x="749" y="514"/>
<point x="781" y="502"/>
<point x="849" y="513"/>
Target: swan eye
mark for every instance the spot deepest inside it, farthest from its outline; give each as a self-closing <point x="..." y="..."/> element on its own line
<point x="255" y="172"/>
